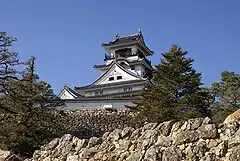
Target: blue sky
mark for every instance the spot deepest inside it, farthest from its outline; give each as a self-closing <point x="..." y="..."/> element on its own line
<point x="66" y="36"/>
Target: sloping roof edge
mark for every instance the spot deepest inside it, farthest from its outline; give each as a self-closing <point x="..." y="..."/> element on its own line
<point x="70" y="91"/>
<point x="116" y="63"/>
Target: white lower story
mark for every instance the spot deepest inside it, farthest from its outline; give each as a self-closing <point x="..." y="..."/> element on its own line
<point x="97" y="105"/>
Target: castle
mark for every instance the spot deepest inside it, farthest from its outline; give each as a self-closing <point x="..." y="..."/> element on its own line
<point x="125" y="73"/>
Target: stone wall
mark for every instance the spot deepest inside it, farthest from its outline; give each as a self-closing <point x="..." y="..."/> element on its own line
<point x="94" y="123"/>
<point x="191" y="140"/>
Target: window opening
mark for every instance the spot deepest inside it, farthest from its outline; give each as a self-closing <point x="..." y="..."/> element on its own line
<point x="99" y="93"/>
<point x="111" y="78"/>
<point x="119" y="77"/>
<point x="128" y="89"/>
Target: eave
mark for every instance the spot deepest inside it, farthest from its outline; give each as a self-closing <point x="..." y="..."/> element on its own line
<point x="86" y="99"/>
<point x="112" y="85"/>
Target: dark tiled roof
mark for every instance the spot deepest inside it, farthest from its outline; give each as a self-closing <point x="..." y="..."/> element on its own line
<point x="72" y="91"/>
<point x="101" y="66"/>
<point x="112" y="84"/>
<point x="123" y="40"/>
<point x="129" y="62"/>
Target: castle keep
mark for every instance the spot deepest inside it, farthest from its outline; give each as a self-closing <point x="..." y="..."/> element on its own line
<point x="125" y="73"/>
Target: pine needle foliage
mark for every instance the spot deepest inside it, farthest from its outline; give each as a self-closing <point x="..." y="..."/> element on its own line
<point x="8" y="60"/>
<point x="176" y="93"/>
<point x="226" y="94"/>
<point x="227" y="90"/>
<point x="26" y="119"/>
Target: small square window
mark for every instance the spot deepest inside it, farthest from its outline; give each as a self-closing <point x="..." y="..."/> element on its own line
<point x="111" y="78"/>
<point x="119" y="77"/>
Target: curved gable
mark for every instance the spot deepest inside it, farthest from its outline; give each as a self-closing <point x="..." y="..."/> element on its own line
<point x="116" y="73"/>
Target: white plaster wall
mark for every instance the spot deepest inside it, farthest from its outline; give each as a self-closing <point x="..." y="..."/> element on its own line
<point x="97" y="105"/>
<point x="114" y="72"/>
<point x="132" y="58"/>
<point x="134" y="49"/>
<point x="109" y="61"/>
<point x="114" y="90"/>
<point x="101" y="71"/>
<point x="66" y="95"/>
<point x="140" y="69"/>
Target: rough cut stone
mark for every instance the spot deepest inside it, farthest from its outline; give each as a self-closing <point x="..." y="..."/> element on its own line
<point x="199" y="149"/>
<point x="151" y="154"/>
<point x="206" y="120"/>
<point x="72" y="158"/>
<point x="115" y="135"/>
<point x="94" y="141"/>
<point x="13" y="157"/>
<point x="51" y="145"/>
<point x="126" y="131"/>
<point x="193" y="124"/>
<point x="212" y="143"/>
<point x="4" y="154"/>
<point x="164" y="141"/>
<point x="164" y="128"/>
<point x="235" y="139"/>
<point x="172" y="154"/>
<point x="207" y="131"/>
<point x="190" y="140"/>
<point x="235" y="154"/>
<point x="186" y="137"/>
<point x="233" y="117"/>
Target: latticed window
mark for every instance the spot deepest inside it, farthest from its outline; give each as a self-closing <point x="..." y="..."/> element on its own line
<point x="99" y="92"/>
<point x="124" y="52"/>
<point x="128" y="89"/>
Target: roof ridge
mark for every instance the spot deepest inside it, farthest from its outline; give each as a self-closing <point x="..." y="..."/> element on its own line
<point x="72" y="91"/>
<point x="128" y="35"/>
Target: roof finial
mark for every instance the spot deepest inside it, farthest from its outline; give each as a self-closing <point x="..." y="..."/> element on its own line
<point x="139" y="31"/>
<point x="117" y="34"/>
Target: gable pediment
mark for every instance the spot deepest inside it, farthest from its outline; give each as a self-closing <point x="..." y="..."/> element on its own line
<point x="116" y="73"/>
<point x="65" y="95"/>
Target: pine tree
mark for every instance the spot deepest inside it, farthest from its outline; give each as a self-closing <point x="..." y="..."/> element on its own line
<point x="32" y="122"/>
<point x="226" y="94"/>
<point x="177" y="93"/>
<point x="8" y="60"/>
<point x="31" y="92"/>
<point x="227" y="91"/>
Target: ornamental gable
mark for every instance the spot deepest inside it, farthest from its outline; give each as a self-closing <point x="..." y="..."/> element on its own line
<point x="116" y="73"/>
<point x="65" y="95"/>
